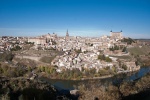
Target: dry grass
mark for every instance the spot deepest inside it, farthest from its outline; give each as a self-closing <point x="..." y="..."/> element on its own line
<point x="123" y="57"/>
<point x="46" y="59"/>
<point x="98" y="92"/>
<point x="111" y="92"/>
<point x="144" y="50"/>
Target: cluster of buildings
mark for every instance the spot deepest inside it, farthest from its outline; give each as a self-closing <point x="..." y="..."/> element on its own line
<point x="82" y="52"/>
<point x="82" y="60"/>
<point x="79" y="52"/>
<point x="8" y="42"/>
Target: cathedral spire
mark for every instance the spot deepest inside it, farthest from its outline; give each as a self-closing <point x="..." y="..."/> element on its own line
<point x="67" y="34"/>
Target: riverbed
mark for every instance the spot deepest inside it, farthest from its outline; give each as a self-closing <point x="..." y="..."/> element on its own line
<point x="117" y="79"/>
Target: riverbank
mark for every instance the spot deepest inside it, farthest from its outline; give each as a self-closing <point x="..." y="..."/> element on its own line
<point x="76" y="74"/>
<point x="90" y="78"/>
<point x="133" y="90"/>
<point x="116" y="79"/>
<point x="88" y="89"/>
<point x="26" y="89"/>
<point x="102" y="77"/>
<point x="108" y="76"/>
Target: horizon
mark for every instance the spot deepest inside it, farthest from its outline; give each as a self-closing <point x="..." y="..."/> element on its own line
<point x="75" y="36"/>
<point x="86" y="18"/>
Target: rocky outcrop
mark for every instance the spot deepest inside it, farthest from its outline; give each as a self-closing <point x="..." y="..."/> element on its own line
<point x="74" y="92"/>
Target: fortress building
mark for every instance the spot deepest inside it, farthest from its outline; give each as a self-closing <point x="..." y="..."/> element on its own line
<point x="116" y="35"/>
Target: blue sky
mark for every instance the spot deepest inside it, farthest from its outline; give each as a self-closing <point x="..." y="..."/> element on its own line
<point x="81" y="17"/>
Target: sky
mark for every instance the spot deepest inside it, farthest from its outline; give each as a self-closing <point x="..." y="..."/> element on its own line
<point x="89" y="18"/>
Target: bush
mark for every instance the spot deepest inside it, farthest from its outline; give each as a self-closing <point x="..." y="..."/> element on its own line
<point x="107" y="59"/>
<point x="114" y="48"/>
<point x="124" y="67"/>
<point x="124" y="49"/>
<point x="102" y="57"/>
<point x="78" y="50"/>
<point x="46" y="59"/>
<point x="128" y="40"/>
<point x="6" y="56"/>
<point x="16" y="48"/>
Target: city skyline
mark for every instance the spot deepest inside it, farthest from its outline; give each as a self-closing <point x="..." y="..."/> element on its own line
<point x="91" y="18"/>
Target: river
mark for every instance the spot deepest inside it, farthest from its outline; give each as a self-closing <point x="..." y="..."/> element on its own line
<point x="117" y="79"/>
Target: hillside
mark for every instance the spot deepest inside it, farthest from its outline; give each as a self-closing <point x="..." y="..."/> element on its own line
<point x="143" y="50"/>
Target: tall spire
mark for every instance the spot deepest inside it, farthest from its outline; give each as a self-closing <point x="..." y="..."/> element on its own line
<point x="67" y="34"/>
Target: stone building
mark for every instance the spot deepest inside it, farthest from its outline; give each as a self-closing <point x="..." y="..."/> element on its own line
<point x="37" y="40"/>
<point x="116" y="35"/>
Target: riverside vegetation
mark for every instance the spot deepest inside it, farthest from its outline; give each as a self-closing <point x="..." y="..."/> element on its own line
<point x="24" y="89"/>
<point x="137" y="90"/>
<point x="25" y="68"/>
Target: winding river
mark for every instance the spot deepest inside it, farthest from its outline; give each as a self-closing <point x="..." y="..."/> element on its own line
<point x="117" y="79"/>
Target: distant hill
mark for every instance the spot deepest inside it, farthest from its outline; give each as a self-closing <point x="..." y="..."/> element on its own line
<point x="143" y="39"/>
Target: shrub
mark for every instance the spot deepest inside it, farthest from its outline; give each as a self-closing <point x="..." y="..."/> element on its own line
<point x="124" y="67"/>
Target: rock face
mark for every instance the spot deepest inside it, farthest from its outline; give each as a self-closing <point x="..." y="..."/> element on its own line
<point x="74" y="92"/>
<point x="25" y="89"/>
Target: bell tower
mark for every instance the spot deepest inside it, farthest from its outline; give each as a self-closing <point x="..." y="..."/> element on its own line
<point x="67" y="34"/>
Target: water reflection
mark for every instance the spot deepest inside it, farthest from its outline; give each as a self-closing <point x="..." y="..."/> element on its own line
<point x="117" y="79"/>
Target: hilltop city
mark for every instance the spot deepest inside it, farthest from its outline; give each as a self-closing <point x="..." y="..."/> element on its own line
<point x="108" y="67"/>
<point x="77" y="52"/>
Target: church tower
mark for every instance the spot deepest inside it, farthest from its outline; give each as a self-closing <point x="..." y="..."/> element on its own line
<point x="67" y="34"/>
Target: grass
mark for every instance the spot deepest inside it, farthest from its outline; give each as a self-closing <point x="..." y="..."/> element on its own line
<point x="93" y="89"/>
<point x="144" y="50"/>
<point x="46" y="59"/>
<point x="122" y="57"/>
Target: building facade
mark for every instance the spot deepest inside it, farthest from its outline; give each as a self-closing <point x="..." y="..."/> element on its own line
<point x="116" y="35"/>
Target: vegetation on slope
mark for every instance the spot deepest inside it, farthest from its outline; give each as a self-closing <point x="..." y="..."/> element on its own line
<point x="24" y="89"/>
<point x="6" y="56"/>
<point x="144" y="50"/>
<point x="128" y="40"/>
<point x="124" y="91"/>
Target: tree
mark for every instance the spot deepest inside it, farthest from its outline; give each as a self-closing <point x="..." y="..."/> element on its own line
<point x="124" y="49"/>
<point x="124" y="67"/>
<point x="6" y="56"/>
<point x="128" y="40"/>
<point x="20" y="97"/>
<point x="78" y="51"/>
<point x="107" y="59"/>
<point x="103" y="57"/>
<point x="16" y="48"/>
<point x="116" y="47"/>
<point x="9" y="57"/>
